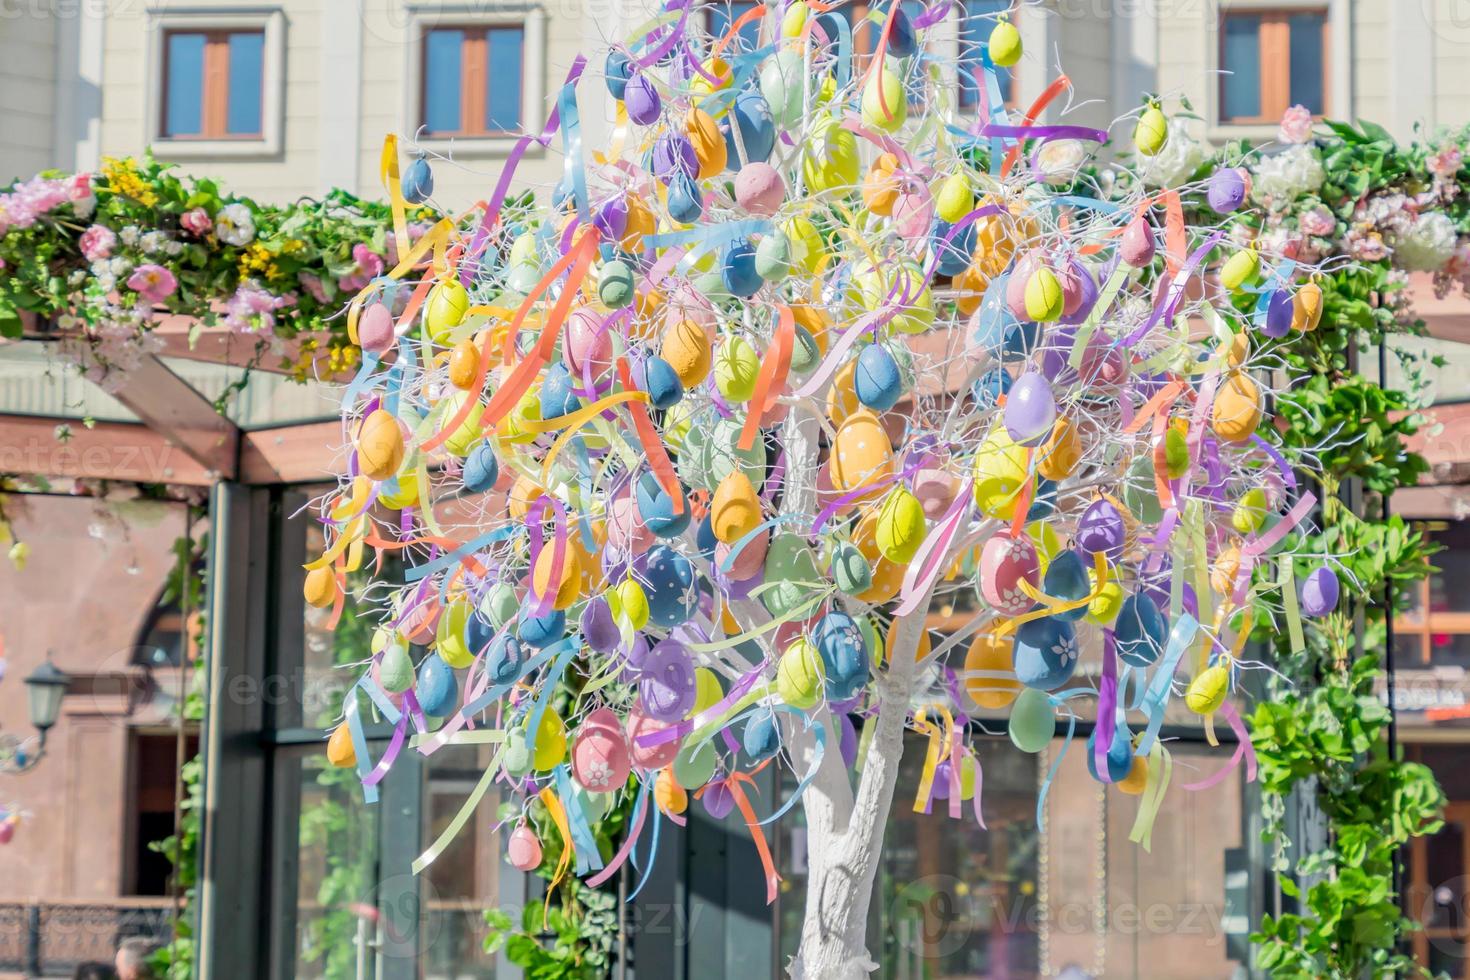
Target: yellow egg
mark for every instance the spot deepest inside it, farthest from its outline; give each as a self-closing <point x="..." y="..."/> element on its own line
<point x="641" y="221"/>
<point x="446" y="308"/>
<point x="955" y="198"/>
<point x="1104" y="609"/>
<point x="1046" y="540"/>
<point x="1250" y="511"/>
<point x="512" y="428"/>
<point x="970" y="286"/>
<point x="629" y="603"/>
<point x="885" y="105"/>
<point x="551" y="742"/>
<point x="830" y="160"/>
<point x="707" y="690"/>
<point x="340" y="752"/>
<point x="463" y="439"/>
<point x="1207" y="691"/>
<point x="814" y="320"/>
<point x="407" y="493"/>
<point x="805" y="242"/>
<point x="320" y="587"/>
<point x="1306" y="308"/>
<point x="709" y="145"/>
<point x="1044" y="299"/>
<point x="890" y="640"/>
<point x="1137" y="779"/>
<point x="1241" y="269"/>
<point x="668" y="794"/>
<point x="464" y="364"/>
<point x="794" y="20"/>
<point x="1227" y="566"/>
<point x="735" y="510"/>
<point x="568" y="580"/>
<point x="701" y="88"/>
<point x="1152" y="131"/>
<point x="687" y="349"/>
<point x="523" y="492"/>
<point x="449" y="634"/>
<point x="1239" y="350"/>
<point x="1000" y="470"/>
<point x="1236" y="411"/>
<point x="887" y="576"/>
<point x="880" y="186"/>
<point x="737" y="366"/>
<point x="861" y="453"/>
<point x="1062" y="451"/>
<point x="1005" y="45"/>
<point x="379" y="445"/>
<point x="990" y="654"/>
<point x="901" y="526"/>
<point x="800" y="675"/>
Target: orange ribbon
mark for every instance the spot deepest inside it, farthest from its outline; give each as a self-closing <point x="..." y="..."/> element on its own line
<point x="771" y="378"/>
<point x="653" y="447"/>
<point x="1056" y="88"/>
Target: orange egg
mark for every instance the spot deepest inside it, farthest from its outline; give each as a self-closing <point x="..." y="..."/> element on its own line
<point x="668" y="794"/>
<point x="340" y="752"/>
<point x="320" y="587"/>
<point x="567" y="579"/>
<point x="686" y="346"/>
<point x="735" y="510"/>
<point x="926" y="646"/>
<point x="379" y="446"/>
<point x="1137" y="779"/>
<point x="881" y="185"/>
<point x="641" y="221"/>
<point x="990" y="655"/>
<point x="814" y="320"/>
<point x="861" y="453"/>
<point x="464" y="364"/>
<point x="1227" y="566"/>
<point x="842" y="399"/>
<point x="1236" y="411"/>
<point x="1059" y="456"/>
<point x="970" y="286"/>
<point x="709" y="145"/>
<point x="523" y="492"/>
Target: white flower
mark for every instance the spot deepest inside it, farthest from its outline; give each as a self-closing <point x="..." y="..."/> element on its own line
<point x="1283" y="177"/>
<point x="235" y="225"/>
<point x="152" y="241"/>
<point x="1065" y="650"/>
<point x="129" y="235"/>
<point x="1175" y="163"/>
<point x="1059" y="161"/>
<point x="1428" y="245"/>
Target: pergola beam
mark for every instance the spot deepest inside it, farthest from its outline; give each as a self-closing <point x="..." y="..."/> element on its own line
<point x="168" y="405"/>
<point x="105" y="451"/>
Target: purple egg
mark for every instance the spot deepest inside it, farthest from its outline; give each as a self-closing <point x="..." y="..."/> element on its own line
<point x="642" y="100"/>
<point x="941" y="780"/>
<point x="612" y="218"/>
<point x="1279" y="311"/>
<point x="1031" y="409"/>
<point x="1227" y="190"/>
<point x="637" y="652"/>
<point x="673" y="154"/>
<point x="717" y="799"/>
<point x="1319" y="592"/>
<point x="1101" y="529"/>
<point x="666" y="689"/>
<point x="597" y="625"/>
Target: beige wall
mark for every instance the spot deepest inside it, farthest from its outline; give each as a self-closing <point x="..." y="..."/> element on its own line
<point x="27" y="91"/>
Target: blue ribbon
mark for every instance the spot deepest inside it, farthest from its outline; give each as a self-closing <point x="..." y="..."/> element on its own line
<point x="1180" y="638"/>
<point x="588" y="857"/>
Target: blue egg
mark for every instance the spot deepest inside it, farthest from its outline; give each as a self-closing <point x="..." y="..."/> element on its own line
<point x="988" y="330"/>
<point x="478" y="632"/>
<point x="1066" y="578"/>
<point x="504" y="659"/>
<point x="1045" y="653"/>
<point x="954" y="256"/>
<point x="704" y="538"/>
<point x="1119" y="755"/>
<point x="760" y="738"/>
<point x="668" y="581"/>
<point x="617" y="70"/>
<point x="877" y="379"/>
<point x="844" y="653"/>
<point x="686" y="202"/>
<point x="1022" y="337"/>
<point x="540" y="632"/>
<point x="737" y="269"/>
<point x="752" y="114"/>
<point x="557" y="397"/>
<point x="901" y="37"/>
<point x="1044" y="501"/>
<point x="418" y="182"/>
<point x="664" y="388"/>
<point x="437" y="688"/>
<point x="481" y="469"/>
<point x="988" y="388"/>
<point x="1140" y="630"/>
<point x="656" y="508"/>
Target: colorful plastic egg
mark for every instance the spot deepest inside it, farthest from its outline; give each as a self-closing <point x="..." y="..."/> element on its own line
<point x="445" y="309"/>
<point x="990" y="680"/>
<point x="1140" y="631"/>
<point x="1066" y="578"/>
<point x="650" y="756"/>
<point x="601" y="761"/>
<point x="523" y="849"/>
<point x="1101" y="530"/>
<point x="437" y="688"/>
<point x="340" y="751"/>
<point x="1006" y="562"/>
<point x="1033" y="721"/>
<point x="666" y="689"/>
<point x="1319" y="592"/>
<point x="1152" y="131"/>
<point x="1236" y="412"/>
<point x="861" y="453"/>
<point x="380" y="446"/>
<point x="900" y="526"/>
<point x="1031" y="409"/>
<point x="1045" y="653"/>
<point x="1208" y="690"/>
<point x="799" y="675"/>
<point x="375" y="328"/>
<point x="1000" y="471"/>
<point x="1004" y="44"/>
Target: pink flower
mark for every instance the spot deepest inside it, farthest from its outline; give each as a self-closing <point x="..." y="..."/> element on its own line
<point x="97" y="242"/>
<point x="1296" y="125"/>
<point x="369" y="267"/>
<point x="153" y="282"/>
<point x="313" y="286"/>
<point x="1447" y="162"/>
<point x="196" y="222"/>
<point x="1367" y="248"/>
<point x="79" y="188"/>
<point x="1318" y="222"/>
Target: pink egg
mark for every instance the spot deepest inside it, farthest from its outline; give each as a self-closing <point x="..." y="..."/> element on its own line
<point x="626" y="530"/>
<point x="7" y="831"/>
<point x="788" y="632"/>
<point x="649" y="757"/>
<point x="748" y="562"/>
<point x="1072" y="289"/>
<point x="935" y="490"/>
<point x="1137" y="247"/>
<point x="1102" y="363"/>
<point x="685" y="303"/>
<point x="913" y="211"/>
<point x="1005" y="562"/>
<point x="600" y="757"/>
<point x="422" y="621"/>
<point x="375" y="328"/>
<point x="1021" y="274"/>
<point x="523" y="849"/>
<point x="759" y="188"/>
<point x="586" y="341"/>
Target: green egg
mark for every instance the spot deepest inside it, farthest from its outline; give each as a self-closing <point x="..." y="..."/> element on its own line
<point x="693" y="767"/>
<point x="501" y="604"/>
<point x="773" y="257"/>
<point x="517" y="757"/>
<point x="1033" y="720"/>
<point x="850" y="570"/>
<point x="790" y="574"/>
<point x="805" y="355"/>
<point x="615" y="284"/>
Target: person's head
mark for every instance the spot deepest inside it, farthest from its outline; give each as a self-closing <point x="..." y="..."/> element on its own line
<point x="132" y="960"/>
<point x="94" y="971"/>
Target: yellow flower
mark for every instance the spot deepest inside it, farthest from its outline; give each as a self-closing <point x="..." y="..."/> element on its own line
<point x="122" y="175"/>
<point x="19" y="552"/>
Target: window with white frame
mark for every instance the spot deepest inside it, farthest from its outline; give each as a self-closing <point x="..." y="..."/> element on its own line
<point x="473" y="80"/>
<point x="1271" y="60"/>
<point x="216" y="83"/>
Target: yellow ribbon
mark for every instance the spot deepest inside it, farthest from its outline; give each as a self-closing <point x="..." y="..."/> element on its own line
<point x="939" y="740"/>
<point x="1051" y="605"/>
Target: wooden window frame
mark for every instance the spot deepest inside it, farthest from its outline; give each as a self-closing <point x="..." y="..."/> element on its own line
<point x="474" y="55"/>
<point x="214" y="84"/>
<point x="1275" y="62"/>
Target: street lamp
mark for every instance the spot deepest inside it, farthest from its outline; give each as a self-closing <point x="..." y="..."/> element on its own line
<point x="44" y="690"/>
